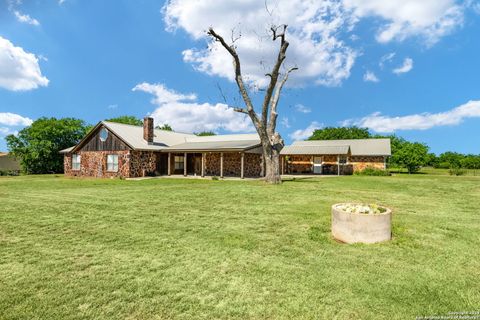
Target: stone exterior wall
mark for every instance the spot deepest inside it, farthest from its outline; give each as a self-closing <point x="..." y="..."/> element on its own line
<point x="143" y="163"/>
<point x="94" y="164"/>
<point x="359" y="163"/>
<point x="299" y="164"/>
<point x="232" y="164"/>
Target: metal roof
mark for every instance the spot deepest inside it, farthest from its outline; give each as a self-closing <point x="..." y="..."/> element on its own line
<point x="358" y="147"/>
<point x="133" y="136"/>
<point x="325" y="150"/>
<point x="231" y="145"/>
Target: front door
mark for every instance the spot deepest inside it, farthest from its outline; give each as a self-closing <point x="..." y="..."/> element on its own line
<point x="317" y="165"/>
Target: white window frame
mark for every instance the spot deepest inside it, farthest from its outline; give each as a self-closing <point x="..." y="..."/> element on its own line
<point x="112" y="162"/>
<point x="179" y="160"/>
<point x="76" y="161"/>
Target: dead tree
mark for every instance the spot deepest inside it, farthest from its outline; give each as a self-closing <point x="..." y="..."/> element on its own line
<point x="266" y="123"/>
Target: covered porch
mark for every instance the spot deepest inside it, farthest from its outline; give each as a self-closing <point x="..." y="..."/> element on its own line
<point x="315" y="160"/>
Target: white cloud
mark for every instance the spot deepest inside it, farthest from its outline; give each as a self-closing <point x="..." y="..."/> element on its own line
<point x="303" y="109"/>
<point x="303" y="134"/>
<point x="401" y="19"/>
<point x="406" y="67"/>
<point x="25" y="18"/>
<point x="19" y="70"/>
<point x="60" y="2"/>
<point x="112" y="106"/>
<point x="13" y="119"/>
<point x="184" y="114"/>
<point x="385" y="59"/>
<point x="455" y="116"/>
<point x="285" y="122"/>
<point x="313" y="32"/>
<point x="369" y="76"/>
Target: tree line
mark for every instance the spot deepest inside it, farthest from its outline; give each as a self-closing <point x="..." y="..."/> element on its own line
<point x="405" y="154"/>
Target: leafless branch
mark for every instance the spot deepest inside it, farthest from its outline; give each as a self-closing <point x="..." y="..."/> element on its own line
<point x="276" y="97"/>
<point x="238" y="77"/>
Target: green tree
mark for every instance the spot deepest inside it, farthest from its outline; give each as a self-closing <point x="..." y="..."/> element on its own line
<point x="127" y="120"/>
<point x="470" y="162"/>
<point x="410" y="155"/>
<point x="205" y="133"/>
<point x="450" y="160"/>
<point x="38" y="145"/>
<point x="336" y="133"/>
<point x="165" y="127"/>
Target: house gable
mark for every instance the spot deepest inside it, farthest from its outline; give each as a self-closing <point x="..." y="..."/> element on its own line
<point x="93" y="142"/>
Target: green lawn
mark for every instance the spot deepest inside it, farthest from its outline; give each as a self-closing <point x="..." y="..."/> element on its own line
<point x="166" y="248"/>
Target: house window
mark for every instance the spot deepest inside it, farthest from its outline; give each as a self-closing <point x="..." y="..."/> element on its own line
<point x="112" y="162"/>
<point x="76" y="159"/>
<point x="103" y="135"/>
<point x="343" y="159"/>
<point x="179" y="162"/>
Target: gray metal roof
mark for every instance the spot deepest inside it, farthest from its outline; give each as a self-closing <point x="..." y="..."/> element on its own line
<point x="326" y="150"/>
<point x="214" y="145"/>
<point x="358" y="147"/>
<point x="67" y="150"/>
<point x="133" y="136"/>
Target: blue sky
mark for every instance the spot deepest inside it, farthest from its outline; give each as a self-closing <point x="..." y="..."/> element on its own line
<point x="403" y="67"/>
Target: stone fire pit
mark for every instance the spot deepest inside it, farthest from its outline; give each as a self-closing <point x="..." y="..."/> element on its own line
<point x="361" y="223"/>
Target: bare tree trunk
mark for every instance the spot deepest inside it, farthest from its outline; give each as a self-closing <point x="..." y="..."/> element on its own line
<point x="265" y="125"/>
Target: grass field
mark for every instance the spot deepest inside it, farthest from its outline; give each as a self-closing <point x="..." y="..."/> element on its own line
<point x="188" y="249"/>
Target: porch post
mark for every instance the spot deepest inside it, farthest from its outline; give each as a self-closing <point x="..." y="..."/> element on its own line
<point x="283" y="165"/>
<point x="242" y="165"/>
<point x="169" y="171"/>
<point x="185" y="164"/>
<point x="338" y="165"/>
<point x="221" y="165"/>
<point x="203" y="164"/>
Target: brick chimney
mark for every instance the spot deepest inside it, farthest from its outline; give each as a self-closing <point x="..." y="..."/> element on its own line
<point x="148" y="129"/>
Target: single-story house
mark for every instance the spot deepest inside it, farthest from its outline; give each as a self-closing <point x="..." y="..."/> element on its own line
<point x="119" y="150"/>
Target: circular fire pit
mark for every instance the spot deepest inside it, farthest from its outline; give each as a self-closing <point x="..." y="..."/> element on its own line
<point x="360" y="223"/>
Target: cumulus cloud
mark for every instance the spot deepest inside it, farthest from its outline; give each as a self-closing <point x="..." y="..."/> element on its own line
<point x="303" y="109"/>
<point x="369" y="76"/>
<point x="185" y="114"/>
<point x="13" y="119"/>
<point x="313" y="32"/>
<point x="424" y="121"/>
<point x="19" y="70"/>
<point x="25" y="18"/>
<point x="401" y="19"/>
<point x="302" y="134"/>
<point x="405" y="67"/>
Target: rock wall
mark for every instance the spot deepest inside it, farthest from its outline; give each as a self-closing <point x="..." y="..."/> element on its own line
<point x="143" y="163"/>
<point x="359" y="163"/>
<point x="94" y="164"/>
<point x="232" y="164"/>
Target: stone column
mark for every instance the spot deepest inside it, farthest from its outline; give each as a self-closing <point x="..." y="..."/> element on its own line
<point x="169" y="171"/>
<point x="221" y="165"/>
<point x="242" y="165"/>
<point x="185" y="164"/>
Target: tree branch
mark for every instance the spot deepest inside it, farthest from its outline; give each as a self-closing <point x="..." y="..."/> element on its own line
<point x="272" y="124"/>
<point x="238" y="78"/>
<point x="275" y="73"/>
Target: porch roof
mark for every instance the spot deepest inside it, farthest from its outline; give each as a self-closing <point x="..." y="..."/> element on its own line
<point x="199" y="146"/>
<point x="317" y="150"/>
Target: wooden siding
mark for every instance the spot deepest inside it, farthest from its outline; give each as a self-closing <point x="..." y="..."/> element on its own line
<point x="113" y="143"/>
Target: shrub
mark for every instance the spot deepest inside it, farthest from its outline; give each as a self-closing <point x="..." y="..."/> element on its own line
<point x="215" y="178"/>
<point x="457" y="172"/>
<point x="369" y="171"/>
<point x="9" y="173"/>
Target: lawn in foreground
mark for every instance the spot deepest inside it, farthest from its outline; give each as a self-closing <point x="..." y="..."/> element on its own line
<point x="166" y="248"/>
